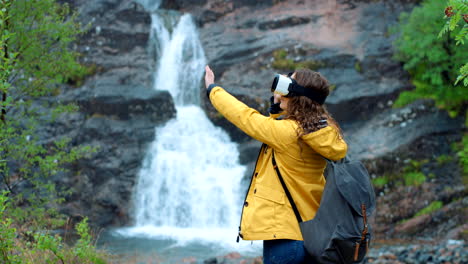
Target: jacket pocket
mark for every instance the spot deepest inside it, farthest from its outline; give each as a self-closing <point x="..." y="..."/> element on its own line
<point x="268" y="201"/>
<point x="269" y="194"/>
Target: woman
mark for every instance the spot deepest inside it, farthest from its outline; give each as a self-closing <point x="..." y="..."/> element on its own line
<point x="300" y="141"/>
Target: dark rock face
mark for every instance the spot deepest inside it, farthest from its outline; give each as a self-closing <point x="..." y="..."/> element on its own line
<point x="349" y="40"/>
<point x="119" y="110"/>
<point x="116" y="41"/>
<point x="125" y="102"/>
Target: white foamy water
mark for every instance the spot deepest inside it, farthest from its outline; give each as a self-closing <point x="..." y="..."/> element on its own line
<point x="150" y="5"/>
<point x="188" y="189"/>
<point x="190" y="178"/>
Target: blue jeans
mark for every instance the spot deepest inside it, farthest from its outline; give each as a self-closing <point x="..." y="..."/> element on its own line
<point x="284" y="251"/>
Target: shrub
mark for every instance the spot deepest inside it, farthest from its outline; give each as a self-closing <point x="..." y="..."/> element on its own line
<point x="456" y="14"/>
<point x="41" y="247"/>
<point x="35" y="61"/>
<point x="430" y="60"/>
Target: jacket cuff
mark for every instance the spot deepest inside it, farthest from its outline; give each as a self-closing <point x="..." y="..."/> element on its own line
<point x="210" y="87"/>
<point x="275" y="109"/>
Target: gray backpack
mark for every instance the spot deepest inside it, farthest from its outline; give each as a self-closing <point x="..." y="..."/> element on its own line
<point x="339" y="232"/>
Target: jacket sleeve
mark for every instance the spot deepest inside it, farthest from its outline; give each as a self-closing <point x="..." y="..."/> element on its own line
<point x="268" y="130"/>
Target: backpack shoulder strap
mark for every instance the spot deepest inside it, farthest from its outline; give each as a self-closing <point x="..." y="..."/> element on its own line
<point x="288" y="194"/>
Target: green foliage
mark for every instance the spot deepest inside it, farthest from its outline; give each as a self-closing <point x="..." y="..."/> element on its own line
<point x="281" y="62"/>
<point x="461" y="149"/>
<point x="7" y="234"/>
<point x="463" y="75"/>
<point x="414" y="178"/>
<point x="357" y="67"/>
<point x="39" y="247"/>
<point x="444" y="159"/>
<point x="35" y="59"/>
<point x="46" y="242"/>
<point x="455" y="9"/>
<point x="434" y="206"/>
<point x="84" y="248"/>
<point x="280" y="54"/>
<point x="42" y="34"/>
<point x="430" y="60"/>
<point x="380" y="182"/>
<point x="412" y="175"/>
<point x="457" y="23"/>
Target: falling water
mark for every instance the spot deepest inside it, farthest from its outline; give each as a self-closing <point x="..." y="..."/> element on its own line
<point x="188" y="187"/>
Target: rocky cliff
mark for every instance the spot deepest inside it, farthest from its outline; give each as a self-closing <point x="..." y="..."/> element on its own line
<point x="119" y="110"/>
<point x="246" y="42"/>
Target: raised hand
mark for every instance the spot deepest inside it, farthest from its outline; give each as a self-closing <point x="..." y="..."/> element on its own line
<point x="209" y="76"/>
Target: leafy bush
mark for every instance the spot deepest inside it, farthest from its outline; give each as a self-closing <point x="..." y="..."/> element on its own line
<point x="35" y="61"/>
<point x="431" y="61"/>
<point x="7" y="234"/>
<point x="456" y="14"/>
<point x="84" y="248"/>
<point x="41" y="247"/>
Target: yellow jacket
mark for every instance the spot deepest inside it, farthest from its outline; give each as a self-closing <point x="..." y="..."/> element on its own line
<point x="267" y="213"/>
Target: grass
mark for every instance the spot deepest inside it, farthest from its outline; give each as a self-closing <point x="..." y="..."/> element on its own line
<point x="432" y="207"/>
<point x="281" y="62"/>
<point x="444" y="159"/>
<point x="380" y="182"/>
<point x="414" y="178"/>
<point x="357" y="67"/>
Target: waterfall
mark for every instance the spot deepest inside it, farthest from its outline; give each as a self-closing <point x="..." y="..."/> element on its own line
<point x="150" y="5"/>
<point x="189" y="183"/>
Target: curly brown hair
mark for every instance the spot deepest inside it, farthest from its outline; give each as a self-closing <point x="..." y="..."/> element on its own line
<point x="305" y="111"/>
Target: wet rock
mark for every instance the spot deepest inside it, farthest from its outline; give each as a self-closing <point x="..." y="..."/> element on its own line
<point x="123" y="101"/>
<point x="119" y="110"/>
<point x="116" y="41"/>
<point x="457" y="233"/>
<point x="182" y="4"/>
<point x="412" y="253"/>
<point x="233" y="258"/>
<point x="413" y="225"/>
<point x="284" y="22"/>
<point x="395" y="214"/>
<point x="385" y="133"/>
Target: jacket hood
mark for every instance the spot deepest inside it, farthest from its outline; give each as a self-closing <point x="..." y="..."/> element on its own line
<point x="327" y="142"/>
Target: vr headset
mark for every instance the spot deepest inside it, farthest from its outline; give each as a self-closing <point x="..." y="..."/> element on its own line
<point x="288" y="87"/>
